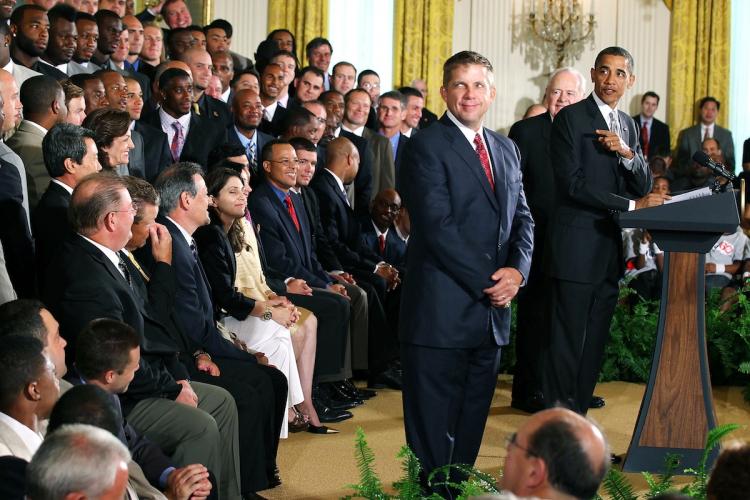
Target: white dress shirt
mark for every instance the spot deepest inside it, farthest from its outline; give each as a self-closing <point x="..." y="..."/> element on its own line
<point x="470" y="134"/>
<point x="30" y="438"/>
<point x="166" y="124"/>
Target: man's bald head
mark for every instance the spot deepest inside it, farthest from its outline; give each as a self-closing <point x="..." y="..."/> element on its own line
<point x="342" y="158"/>
<point x="556" y="453"/>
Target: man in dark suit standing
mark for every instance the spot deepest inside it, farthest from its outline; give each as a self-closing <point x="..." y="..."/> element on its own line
<point x="469" y="252"/>
<point x="599" y="171"/>
<point x="653" y="135"/>
<point x="190" y="137"/>
<point x="532" y="136"/>
<point x="691" y="138"/>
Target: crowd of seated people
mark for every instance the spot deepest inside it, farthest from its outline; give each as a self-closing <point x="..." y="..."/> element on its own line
<point x="209" y="247"/>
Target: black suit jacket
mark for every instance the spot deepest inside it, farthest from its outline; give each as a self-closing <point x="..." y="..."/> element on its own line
<point x="593" y="185"/>
<point x="395" y="247"/>
<point x="220" y="264"/>
<point x="48" y="70"/>
<point x="428" y="118"/>
<point x="193" y="309"/>
<point x="461" y="233"/>
<point x="321" y="245"/>
<point x="402" y="140"/>
<point x="15" y="233"/>
<point x="658" y="141"/>
<point x="256" y="171"/>
<point x="82" y="285"/>
<point x="155" y="149"/>
<point x="276" y="126"/>
<point x="288" y="251"/>
<point x="50" y="224"/>
<point x="214" y="109"/>
<point x="538" y="177"/>
<point x="203" y="136"/>
<point x="341" y="226"/>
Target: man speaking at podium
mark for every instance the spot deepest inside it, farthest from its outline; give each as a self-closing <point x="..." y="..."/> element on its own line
<point x="599" y="171"/>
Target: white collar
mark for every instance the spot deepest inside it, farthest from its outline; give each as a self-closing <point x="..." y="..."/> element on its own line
<point x="284" y="100"/>
<point x="356" y="131"/>
<point x="466" y="131"/>
<point x="188" y="237"/>
<point x="131" y="127"/>
<point x="64" y="186"/>
<point x="378" y="232"/>
<point x="36" y="126"/>
<point x="225" y="95"/>
<point x="167" y="120"/>
<point x="30" y="438"/>
<point x="108" y="252"/>
<point x="407" y="133"/>
<point x="270" y="110"/>
<point x="338" y="181"/>
<point x="647" y="121"/>
<point x="605" y="109"/>
<point x="9" y="67"/>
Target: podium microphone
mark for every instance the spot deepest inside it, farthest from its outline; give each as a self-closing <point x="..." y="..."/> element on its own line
<point x="716" y="167"/>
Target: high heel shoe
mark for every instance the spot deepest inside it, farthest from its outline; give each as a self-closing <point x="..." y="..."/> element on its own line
<point x="314" y="429"/>
<point x="299" y="423"/>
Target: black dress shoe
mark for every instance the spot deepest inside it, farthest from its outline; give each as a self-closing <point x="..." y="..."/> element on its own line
<point x="597" y="402"/>
<point x="389" y="379"/>
<point x="528" y="405"/>
<point x="322" y="393"/>
<point x="340" y="392"/>
<point x="329" y="415"/>
<point x="321" y="430"/>
<point x="366" y="393"/>
<point x="274" y="479"/>
<point x="615" y="459"/>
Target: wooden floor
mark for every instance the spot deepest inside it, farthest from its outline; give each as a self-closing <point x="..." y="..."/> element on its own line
<point x="320" y="467"/>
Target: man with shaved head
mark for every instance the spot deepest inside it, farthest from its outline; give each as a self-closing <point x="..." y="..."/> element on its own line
<point x="224" y="69"/>
<point x="377" y="233"/>
<point x="201" y="66"/>
<point x="565" y="86"/>
<point x="247" y="111"/>
<point x="556" y="454"/>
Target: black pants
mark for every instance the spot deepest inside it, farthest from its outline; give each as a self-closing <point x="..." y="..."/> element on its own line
<point x="382" y="341"/>
<point x="446" y="396"/>
<point x="260" y="393"/>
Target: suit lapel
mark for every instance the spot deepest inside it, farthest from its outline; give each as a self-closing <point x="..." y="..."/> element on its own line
<point x="466" y="152"/>
<point x="498" y="167"/>
<point x="286" y="220"/>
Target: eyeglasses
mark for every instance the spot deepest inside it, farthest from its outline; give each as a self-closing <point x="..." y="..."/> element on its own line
<point x="287" y="163"/>
<point x="512" y="440"/>
<point x="132" y="210"/>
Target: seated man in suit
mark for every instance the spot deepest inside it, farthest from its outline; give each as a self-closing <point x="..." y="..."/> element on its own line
<point x="653" y="134"/>
<point x="690" y="139"/>
<point x="107" y="357"/>
<point x="28" y="391"/>
<point x="28" y="43"/>
<point x="247" y="111"/>
<point x="70" y="154"/>
<point x="261" y="389"/>
<point x="376" y="229"/>
<point x="190" y="137"/>
<point x="271" y="82"/>
<point x="43" y="100"/>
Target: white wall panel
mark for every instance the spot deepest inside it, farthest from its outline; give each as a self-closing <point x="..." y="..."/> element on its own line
<point x="249" y="19"/>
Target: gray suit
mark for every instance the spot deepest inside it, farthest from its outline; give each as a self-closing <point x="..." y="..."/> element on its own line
<point x="383" y="168"/>
<point x="27" y="143"/>
<point x="75" y="68"/>
<point x="22" y="73"/>
<point x="690" y="141"/>
<point x="7" y="293"/>
<point x="137" y="161"/>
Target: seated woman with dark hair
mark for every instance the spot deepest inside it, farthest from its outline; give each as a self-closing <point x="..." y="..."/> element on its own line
<point x="264" y="322"/>
<point x="112" y="136"/>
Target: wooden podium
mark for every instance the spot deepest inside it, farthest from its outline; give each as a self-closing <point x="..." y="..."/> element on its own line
<point x="677" y="410"/>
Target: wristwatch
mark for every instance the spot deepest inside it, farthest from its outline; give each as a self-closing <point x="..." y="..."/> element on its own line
<point x="267" y="315"/>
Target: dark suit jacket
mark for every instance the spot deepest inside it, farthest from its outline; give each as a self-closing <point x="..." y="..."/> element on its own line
<point x="276" y="126"/>
<point x="383" y="166"/>
<point x="288" y="251"/>
<point x="428" y="118"/>
<point x="532" y="136"/>
<point x="402" y="140"/>
<point x="395" y="247"/>
<point x="256" y="171"/>
<point x="593" y="185"/>
<point x="658" y="140"/>
<point x="363" y="182"/>
<point x="214" y="109"/>
<point x="137" y="156"/>
<point x="341" y="226"/>
<point x="217" y="257"/>
<point x="15" y="234"/>
<point x="83" y="284"/>
<point x="48" y="70"/>
<point x="50" y="224"/>
<point x="689" y="141"/>
<point x="155" y="149"/>
<point x="203" y="136"/>
<point x="193" y="309"/>
<point x="461" y="233"/>
<point x="321" y="245"/>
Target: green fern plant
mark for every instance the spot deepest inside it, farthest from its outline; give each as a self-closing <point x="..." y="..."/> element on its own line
<point x="369" y="485"/>
<point x="697" y="489"/>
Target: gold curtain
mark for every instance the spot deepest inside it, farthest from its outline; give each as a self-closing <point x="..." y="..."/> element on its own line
<point x="423" y="38"/>
<point x="699" y="60"/>
<point x="307" y="19"/>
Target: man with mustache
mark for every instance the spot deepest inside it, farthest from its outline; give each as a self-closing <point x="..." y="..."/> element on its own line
<point x="29" y="28"/>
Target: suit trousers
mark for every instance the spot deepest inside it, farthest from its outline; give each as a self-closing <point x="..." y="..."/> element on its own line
<point x="446" y="397"/>
<point x="332" y="312"/>
<point x="207" y="435"/>
<point x="580" y="315"/>
<point x="531" y="326"/>
<point x="260" y="393"/>
<point x="382" y="339"/>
